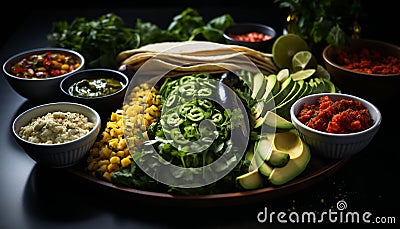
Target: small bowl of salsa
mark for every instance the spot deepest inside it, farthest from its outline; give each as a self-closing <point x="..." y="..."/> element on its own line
<point x="335" y="125"/>
<point x="252" y="35"/>
<point x="35" y="74"/>
<point x="100" y="88"/>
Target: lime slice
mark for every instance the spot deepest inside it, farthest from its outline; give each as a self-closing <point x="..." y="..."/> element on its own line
<point x="303" y="60"/>
<point x="285" y="47"/>
<point x="303" y="74"/>
<point x="282" y="75"/>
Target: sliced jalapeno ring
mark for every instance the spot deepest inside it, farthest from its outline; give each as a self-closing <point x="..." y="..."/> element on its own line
<point x="174" y="119"/>
<point x="204" y="92"/>
<point x="205" y="103"/>
<point x="170" y="100"/>
<point x="217" y="118"/>
<point x="188" y="89"/>
<point x="196" y="114"/>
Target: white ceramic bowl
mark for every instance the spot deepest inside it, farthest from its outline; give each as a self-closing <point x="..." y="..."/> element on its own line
<point x="331" y="145"/>
<point x="40" y="90"/>
<point x="58" y="155"/>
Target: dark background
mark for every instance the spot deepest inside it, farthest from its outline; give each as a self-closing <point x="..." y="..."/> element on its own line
<point x="378" y="18"/>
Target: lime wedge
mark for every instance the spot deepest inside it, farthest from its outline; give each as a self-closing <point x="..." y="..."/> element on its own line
<point x="285" y="47"/>
<point x="303" y="60"/>
<point x="303" y="74"/>
<point x="282" y="75"/>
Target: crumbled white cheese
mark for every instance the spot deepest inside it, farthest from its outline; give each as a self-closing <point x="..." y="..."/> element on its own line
<point x="56" y="127"/>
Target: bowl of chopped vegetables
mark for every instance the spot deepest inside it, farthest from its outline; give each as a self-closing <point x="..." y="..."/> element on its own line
<point x="36" y="74"/>
<point x="252" y="35"/>
<point x="57" y="135"/>
<point x="366" y="68"/>
<point x="335" y="125"/>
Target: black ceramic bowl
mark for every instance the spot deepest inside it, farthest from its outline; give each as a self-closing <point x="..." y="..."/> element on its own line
<point x="102" y="103"/>
<point x="39" y="89"/>
<point x="246" y="28"/>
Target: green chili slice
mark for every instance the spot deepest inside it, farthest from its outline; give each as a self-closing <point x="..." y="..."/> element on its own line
<point x="217" y="118"/>
<point x="196" y="114"/>
<point x="204" y="92"/>
<point x="174" y="119"/>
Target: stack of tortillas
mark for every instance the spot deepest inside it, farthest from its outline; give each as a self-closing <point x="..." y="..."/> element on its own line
<point x="179" y="58"/>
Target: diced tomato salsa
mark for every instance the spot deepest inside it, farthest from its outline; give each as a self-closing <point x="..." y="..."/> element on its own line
<point x="340" y="117"/>
<point x="45" y="65"/>
<point x="251" y="37"/>
<point x="369" y="61"/>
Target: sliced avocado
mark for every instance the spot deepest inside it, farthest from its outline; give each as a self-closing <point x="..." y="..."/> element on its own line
<point x="274" y="120"/>
<point x="257" y="109"/>
<point x="319" y="86"/>
<point x="285" y="88"/>
<point x="258" y="87"/>
<point x="299" y="158"/>
<point x="262" y="166"/>
<point x="292" y="92"/>
<point x="332" y="87"/>
<point x="306" y="91"/>
<point x="261" y="151"/>
<point x="250" y="157"/>
<point x="272" y="87"/>
<point x="283" y="109"/>
<point x="250" y="180"/>
<point x="277" y="158"/>
<point x="264" y="145"/>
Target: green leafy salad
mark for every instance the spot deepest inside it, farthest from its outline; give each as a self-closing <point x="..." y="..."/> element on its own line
<point x="198" y="142"/>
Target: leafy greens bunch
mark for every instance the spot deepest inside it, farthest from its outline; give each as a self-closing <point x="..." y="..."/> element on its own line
<point x="101" y="40"/>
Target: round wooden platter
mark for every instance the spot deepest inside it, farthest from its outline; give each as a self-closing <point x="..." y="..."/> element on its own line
<point x="317" y="170"/>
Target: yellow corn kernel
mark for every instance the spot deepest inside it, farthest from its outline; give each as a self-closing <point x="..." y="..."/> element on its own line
<point x="122" y="144"/>
<point x="92" y="166"/>
<point x="120" y="153"/>
<point x="105" y="137"/>
<point x="126" y="161"/>
<point x="65" y="67"/>
<point x="103" y="162"/>
<point x="107" y="176"/>
<point x="112" y="167"/>
<point x="113" y="143"/>
<point x="94" y="152"/>
<point x="105" y="152"/>
<point x="115" y="160"/>
<point x="102" y="168"/>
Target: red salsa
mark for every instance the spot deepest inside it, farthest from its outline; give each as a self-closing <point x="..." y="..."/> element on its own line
<point x="45" y="65"/>
<point x="251" y="37"/>
<point x="369" y="62"/>
<point x="340" y="117"/>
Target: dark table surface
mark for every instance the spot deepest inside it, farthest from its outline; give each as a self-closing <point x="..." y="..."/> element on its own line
<point x="32" y="196"/>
